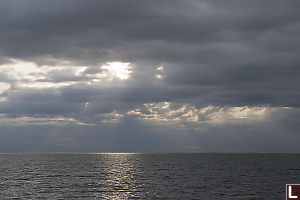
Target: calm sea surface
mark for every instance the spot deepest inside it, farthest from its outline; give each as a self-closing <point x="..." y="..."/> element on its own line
<point x="147" y="176"/>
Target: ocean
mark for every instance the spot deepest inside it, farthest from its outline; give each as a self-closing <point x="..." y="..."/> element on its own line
<point x="147" y="176"/>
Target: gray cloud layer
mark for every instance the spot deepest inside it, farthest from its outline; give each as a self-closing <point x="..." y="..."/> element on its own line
<point x="214" y="53"/>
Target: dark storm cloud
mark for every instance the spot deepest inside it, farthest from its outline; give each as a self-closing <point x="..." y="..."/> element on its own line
<point x="221" y="53"/>
<point x="247" y="50"/>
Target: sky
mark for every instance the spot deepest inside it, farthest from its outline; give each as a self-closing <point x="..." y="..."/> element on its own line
<point x="149" y="76"/>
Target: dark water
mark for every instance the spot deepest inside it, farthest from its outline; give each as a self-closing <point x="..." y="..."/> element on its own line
<point x="147" y="176"/>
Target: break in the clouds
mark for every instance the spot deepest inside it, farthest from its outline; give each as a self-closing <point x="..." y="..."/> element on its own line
<point x="204" y="76"/>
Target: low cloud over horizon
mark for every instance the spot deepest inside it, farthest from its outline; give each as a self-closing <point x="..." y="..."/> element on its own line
<point x="150" y="76"/>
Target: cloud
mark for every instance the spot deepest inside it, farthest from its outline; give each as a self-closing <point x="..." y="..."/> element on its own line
<point x="211" y="69"/>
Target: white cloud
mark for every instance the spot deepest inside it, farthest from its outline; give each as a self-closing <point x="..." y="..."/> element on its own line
<point x="118" y="70"/>
<point x="113" y="117"/>
<point x="25" y="74"/>
<point x="170" y="112"/>
<point x="159" y="72"/>
<point x="27" y="120"/>
<point x="4" y="86"/>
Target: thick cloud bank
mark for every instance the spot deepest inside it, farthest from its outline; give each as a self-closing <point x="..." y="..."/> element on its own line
<point x="200" y="76"/>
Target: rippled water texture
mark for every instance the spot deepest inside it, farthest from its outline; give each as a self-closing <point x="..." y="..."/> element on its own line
<point x="147" y="176"/>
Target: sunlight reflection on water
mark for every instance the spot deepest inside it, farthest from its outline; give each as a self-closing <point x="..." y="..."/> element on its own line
<point x="146" y="176"/>
<point x="122" y="176"/>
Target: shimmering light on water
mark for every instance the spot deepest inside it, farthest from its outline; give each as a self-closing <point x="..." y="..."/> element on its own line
<point x="147" y="176"/>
